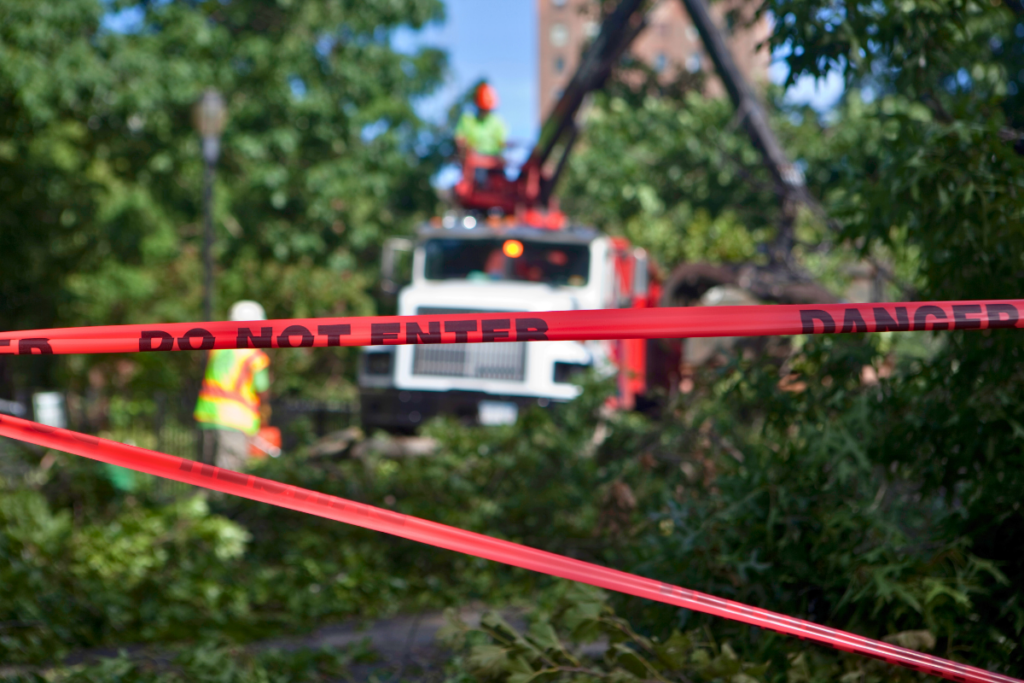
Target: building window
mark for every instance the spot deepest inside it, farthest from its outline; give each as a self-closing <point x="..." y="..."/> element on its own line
<point x="691" y="33"/>
<point x="559" y="64"/>
<point x="660" y="62"/>
<point x="559" y="4"/>
<point x="591" y="28"/>
<point x="559" y="35"/>
<point x="693" y="63"/>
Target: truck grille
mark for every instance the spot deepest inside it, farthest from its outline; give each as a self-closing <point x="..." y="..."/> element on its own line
<point x="501" y="361"/>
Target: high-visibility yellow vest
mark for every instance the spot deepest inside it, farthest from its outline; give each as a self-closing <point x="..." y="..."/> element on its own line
<point x="484" y="136"/>
<point x="228" y="398"/>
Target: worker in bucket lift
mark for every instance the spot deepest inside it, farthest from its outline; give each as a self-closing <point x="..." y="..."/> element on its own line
<point x="233" y="400"/>
<point x="484" y="133"/>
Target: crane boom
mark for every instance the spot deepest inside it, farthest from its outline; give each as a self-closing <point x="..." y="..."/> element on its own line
<point x="533" y="188"/>
<point x="531" y="191"/>
<point x="615" y="35"/>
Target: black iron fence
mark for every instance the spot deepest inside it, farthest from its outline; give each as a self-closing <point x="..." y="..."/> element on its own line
<point x="163" y="422"/>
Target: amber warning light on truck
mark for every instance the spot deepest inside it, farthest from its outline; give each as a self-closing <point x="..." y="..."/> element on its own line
<point x="512" y="248"/>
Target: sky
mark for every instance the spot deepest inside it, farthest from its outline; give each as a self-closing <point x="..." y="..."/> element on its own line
<point x="497" y="39"/>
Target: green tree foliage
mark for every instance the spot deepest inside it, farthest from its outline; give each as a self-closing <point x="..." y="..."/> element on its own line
<point x="207" y="664"/>
<point x="869" y="483"/>
<point x="673" y="168"/>
<point x="140" y="574"/>
<point x="744" y="490"/>
<point x="708" y="499"/>
<point x="910" y="491"/>
<point x="950" y="188"/>
<point x="101" y="175"/>
<point x="550" y="649"/>
<point x="785" y="505"/>
<point x="137" y="568"/>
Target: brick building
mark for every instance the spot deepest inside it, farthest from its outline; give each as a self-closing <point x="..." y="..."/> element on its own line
<point x="670" y="42"/>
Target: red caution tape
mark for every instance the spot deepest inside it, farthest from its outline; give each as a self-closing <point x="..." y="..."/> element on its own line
<point x="478" y="545"/>
<point x="631" y="323"/>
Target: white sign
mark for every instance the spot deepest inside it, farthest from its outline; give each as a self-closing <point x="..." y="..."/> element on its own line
<point x="49" y="410"/>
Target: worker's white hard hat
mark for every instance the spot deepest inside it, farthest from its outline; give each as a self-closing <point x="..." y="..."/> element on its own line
<point x="247" y="310"/>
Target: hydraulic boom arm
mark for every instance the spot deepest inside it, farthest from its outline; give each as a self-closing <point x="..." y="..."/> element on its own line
<point x="617" y="32"/>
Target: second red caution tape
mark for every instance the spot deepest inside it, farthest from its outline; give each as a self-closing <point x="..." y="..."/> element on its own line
<point x="630" y="323"/>
<point x="477" y="545"/>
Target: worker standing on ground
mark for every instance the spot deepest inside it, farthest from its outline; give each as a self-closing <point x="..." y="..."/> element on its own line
<point x="484" y="133"/>
<point x="233" y="400"/>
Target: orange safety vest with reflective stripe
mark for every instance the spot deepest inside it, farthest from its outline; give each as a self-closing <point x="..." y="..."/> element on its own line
<point x="228" y="398"/>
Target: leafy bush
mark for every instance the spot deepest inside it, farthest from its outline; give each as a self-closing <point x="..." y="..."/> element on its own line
<point x="145" y="574"/>
<point x="550" y="650"/>
<point x="207" y="664"/>
<point x="787" y="505"/>
<point x="760" y="491"/>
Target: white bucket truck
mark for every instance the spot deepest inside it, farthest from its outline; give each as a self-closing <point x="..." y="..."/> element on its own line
<point x="468" y="267"/>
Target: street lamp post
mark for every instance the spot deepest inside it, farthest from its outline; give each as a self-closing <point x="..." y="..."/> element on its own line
<point x="209" y="115"/>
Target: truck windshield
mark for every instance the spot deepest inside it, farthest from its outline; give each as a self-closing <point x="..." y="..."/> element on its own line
<point x="507" y="259"/>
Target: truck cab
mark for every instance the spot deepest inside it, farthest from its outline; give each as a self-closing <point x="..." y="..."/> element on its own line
<point x="462" y="265"/>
